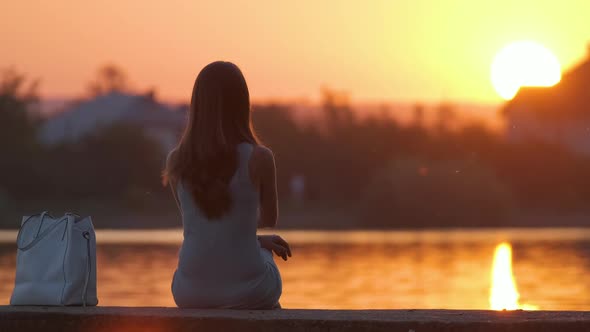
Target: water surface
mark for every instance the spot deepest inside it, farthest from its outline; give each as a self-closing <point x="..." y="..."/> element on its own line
<point x="359" y="269"/>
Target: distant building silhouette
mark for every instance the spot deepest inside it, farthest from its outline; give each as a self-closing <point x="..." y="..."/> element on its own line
<point x="558" y="114"/>
<point x="161" y="122"/>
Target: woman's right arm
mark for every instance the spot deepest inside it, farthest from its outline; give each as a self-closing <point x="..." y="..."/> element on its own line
<point x="263" y="173"/>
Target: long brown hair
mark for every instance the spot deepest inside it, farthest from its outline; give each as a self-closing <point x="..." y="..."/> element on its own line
<point x="206" y="157"/>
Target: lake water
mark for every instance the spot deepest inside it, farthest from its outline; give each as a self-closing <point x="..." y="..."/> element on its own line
<point x="360" y="270"/>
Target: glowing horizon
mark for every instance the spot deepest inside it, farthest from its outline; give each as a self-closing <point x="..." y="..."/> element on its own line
<point x="421" y="50"/>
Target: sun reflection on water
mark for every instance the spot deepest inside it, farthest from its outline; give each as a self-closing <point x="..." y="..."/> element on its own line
<point x="503" y="293"/>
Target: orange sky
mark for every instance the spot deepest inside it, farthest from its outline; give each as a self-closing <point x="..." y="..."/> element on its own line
<point x="378" y="50"/>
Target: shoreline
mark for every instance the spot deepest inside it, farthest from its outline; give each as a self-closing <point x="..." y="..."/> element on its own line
<point x="352" y="236"/>
<point x="173" y="319"/>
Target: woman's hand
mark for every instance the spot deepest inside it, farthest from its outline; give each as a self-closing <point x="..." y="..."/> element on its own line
<point x="276" y="244"/>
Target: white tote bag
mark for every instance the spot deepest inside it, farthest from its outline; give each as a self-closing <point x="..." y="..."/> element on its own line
<point x="55" y="261"/>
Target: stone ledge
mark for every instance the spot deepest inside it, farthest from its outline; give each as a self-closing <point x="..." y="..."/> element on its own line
<point x="131" y="319"/>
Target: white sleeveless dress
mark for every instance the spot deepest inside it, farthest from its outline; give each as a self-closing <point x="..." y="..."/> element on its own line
<point x="221" y="263"/>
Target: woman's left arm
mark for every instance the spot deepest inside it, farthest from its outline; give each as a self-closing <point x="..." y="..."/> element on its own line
<point x="265" y="176"/>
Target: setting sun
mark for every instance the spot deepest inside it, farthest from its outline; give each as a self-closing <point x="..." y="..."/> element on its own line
<point x="523" y="63"/>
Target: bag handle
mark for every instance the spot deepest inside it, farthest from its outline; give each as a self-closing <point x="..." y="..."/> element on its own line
<point x="43" y="214"/>
<point x="38" y="237"/>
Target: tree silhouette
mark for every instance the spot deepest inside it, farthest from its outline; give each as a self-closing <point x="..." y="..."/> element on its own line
<point x="445" y="116"/>
<point x="109" y="78"/>
<point x="17" y="96"/>
<point x="418" y="115"/>
<point x="14" y="85"/>
<point x="18" y="127"/>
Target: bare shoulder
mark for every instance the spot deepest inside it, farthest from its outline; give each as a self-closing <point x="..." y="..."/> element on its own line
<point x="170" y="157"/>
<point x="263" y="155"/>
<point x="262" y="161"/>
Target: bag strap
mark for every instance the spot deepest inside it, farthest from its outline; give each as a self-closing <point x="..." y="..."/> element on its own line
<point x="42" y="214"/>
<point x="38" y="237"/>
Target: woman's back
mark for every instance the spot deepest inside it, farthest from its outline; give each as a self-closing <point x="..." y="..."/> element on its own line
<point x="221" y="263"/>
